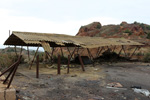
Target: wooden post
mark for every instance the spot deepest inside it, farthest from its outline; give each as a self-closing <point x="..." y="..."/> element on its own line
<point x="33" y="58"/>
<point x="21" y="50"/>
<point x="37" y="66"/>
<point x="68" y="64"/>
<point x="16" y="51"/>
<point x="58" y="66"/>
<point x="28" y="53"/>
<point x="61" y="52"/>
<point x="81" y="62"/>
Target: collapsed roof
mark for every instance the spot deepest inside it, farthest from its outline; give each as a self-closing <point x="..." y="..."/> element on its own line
<point x="60" y="40"/>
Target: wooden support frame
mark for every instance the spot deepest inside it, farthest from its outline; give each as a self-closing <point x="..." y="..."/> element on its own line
<point x="124" y="51"/>
<point x="34" y="57"/>
<point x="120" y="51"/>
<point x="12" y="69"/>
<point x="73" y="53"/>
<point x="90" y="55"/>
<point x="100" y="51"/>
<point x="134" y="52"/>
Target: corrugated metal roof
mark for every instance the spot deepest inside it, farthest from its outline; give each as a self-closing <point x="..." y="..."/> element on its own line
<point x="34" y="39"/>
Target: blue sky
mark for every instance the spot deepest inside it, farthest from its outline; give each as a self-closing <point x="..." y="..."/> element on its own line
<point x="66" y="16"/>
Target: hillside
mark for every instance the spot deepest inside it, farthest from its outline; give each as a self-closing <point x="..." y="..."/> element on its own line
<point x="135" y="31"/>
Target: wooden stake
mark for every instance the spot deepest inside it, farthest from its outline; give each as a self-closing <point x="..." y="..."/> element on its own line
<point x="37" y="66"/>
<point x="58" y="67"/>
<point x="68" y="64"/>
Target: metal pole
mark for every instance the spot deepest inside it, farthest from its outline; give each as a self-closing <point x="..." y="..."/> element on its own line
<point x="37" y="66"/>
<point x="58" y="67"/>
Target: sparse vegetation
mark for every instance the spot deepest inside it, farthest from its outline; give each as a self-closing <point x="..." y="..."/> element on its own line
<point x="98" y="26"/>
<point x="146" y="57"/>
<point x="128" y="31"/>
<point x="148" y="36"/>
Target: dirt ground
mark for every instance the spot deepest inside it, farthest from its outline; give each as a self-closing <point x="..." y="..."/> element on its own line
<point x="79" y="85"/>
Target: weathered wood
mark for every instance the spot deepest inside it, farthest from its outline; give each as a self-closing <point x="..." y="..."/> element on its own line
<point x="133" y="52"/>
<point x="124" y="51"/>
<point x="58" y="64"/>
<point x="34" y="57"/>
<point x="15" y="69"/>
<point x="15" y="51"/>
<point x="73" y="52"/>
<point x="21" y="50"/>
<point x="28" y="53"/>
<point x="81" y="62"/>
<point x="120" y="51"/>
<point x="68" y="64"/>
<point x="100" y="51"/>
<point x="114" y="48"/>
<point x="37" y="66"/>
<point x="90" y="55"/>
<point x="62" y="54"/>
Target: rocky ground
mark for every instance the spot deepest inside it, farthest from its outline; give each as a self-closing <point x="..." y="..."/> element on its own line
<point x="93" y="84"/>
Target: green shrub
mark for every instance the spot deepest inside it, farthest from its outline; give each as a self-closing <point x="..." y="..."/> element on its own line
<point x="148" y="36"/>
<point x="148" y="27"/>
<point x="146" y="57"/>
<point x="128" y="31"/>
<point x="98" y="26"/>
<point x="7" y="59"/>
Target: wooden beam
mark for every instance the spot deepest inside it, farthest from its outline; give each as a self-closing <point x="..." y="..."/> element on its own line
<point x="81" y="62"/>
<point x="34" y="57"/>
<point x="100" y="51"/>
<point x="133" y="52"/>
<point x="124" y="51"/>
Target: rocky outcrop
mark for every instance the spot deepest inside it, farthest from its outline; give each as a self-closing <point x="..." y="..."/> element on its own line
<point x="90" y="29"/>
<point x="136" y="31"/>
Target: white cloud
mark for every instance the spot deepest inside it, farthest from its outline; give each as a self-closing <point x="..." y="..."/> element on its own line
<point x="33" y="24"/>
